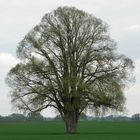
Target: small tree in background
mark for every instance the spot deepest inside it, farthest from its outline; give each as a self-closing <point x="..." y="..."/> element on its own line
<point x="35" y="116"/>
<point x="69" y="62"/>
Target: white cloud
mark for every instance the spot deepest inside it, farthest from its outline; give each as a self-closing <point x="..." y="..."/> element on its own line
<point x="137" y="70"/>
<point x="133" y="93"/>
<point x="135" y="27"/>
<point x="133" y="99"/>
<point x="7" y="61"/>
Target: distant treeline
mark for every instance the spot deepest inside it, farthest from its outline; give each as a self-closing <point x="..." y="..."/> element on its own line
<point x="38" y="117"/>
<point x="33" y="117"/>
<point x="20" y="117"/>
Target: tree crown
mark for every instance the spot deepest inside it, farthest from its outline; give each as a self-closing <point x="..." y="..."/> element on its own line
<point x="69" y="62"/>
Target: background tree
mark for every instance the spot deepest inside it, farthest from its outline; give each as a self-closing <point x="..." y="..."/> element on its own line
<point x="69" y="62"/>
<point x="35" y="116"/>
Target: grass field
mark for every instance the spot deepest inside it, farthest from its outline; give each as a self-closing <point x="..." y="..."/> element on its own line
<point x="55" y="131"/>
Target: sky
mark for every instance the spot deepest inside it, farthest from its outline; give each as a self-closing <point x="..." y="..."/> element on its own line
<point x="18" y="17"/>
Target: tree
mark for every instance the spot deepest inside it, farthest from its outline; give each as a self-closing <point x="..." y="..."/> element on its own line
<point x="35" y="116"/>
<point x="70" y="63"/>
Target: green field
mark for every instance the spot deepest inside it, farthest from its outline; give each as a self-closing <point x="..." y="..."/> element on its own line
<point x="55" y="131"/>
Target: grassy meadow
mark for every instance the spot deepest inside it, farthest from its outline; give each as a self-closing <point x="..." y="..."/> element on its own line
<point x="55" y="131"/>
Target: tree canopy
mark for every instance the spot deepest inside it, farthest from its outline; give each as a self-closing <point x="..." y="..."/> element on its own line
<point x="69" y="62"/>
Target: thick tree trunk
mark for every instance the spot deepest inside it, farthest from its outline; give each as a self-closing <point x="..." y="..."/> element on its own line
<point x="71" y="126"/>
<point x="71" y="122"/>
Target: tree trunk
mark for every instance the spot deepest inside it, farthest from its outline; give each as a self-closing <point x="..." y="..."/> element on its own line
<point x="71" y="122"/>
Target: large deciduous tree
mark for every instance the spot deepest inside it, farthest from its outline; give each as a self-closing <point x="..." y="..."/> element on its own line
<point x="70" y="63"/>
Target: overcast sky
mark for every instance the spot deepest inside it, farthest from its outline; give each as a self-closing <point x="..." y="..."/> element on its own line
<point x="18" y="17"/>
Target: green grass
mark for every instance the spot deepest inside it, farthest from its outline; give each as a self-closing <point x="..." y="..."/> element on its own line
<point x="55" y="131"/>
